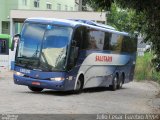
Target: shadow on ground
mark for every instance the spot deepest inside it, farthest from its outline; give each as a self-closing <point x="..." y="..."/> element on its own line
<point x="67" y="93"/>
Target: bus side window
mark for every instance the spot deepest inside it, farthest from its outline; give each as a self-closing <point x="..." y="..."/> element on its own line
<point x="129" y="44"/>
<point x="85" y="40"/>
<point x="125" y="44"/>
<point x="107" y="41"/>
<point x="116" y="42"/>
<point x="78" y="37"/>
<point x="93" y="39"/>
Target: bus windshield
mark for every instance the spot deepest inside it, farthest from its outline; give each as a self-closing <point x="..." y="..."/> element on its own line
<point x="43" y="47"/>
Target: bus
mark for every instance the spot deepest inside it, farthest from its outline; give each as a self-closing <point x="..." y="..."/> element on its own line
<point x="5" y="45"/>
<point x="68" y="55"/>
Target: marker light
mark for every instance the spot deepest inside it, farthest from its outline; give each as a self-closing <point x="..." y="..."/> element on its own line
<point x="57" y="79"/>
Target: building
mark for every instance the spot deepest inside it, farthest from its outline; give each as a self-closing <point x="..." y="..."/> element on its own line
<point x="14" y="12"/>
<point x="18" y="16"/>
<point x="46" y="5"/>
<point x="142" y="47"/>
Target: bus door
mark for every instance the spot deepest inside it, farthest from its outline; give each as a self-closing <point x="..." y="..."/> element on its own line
<point x="4" y="54"/>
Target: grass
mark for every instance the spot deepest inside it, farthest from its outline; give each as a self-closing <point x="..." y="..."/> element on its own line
<point x="144" y="69"/>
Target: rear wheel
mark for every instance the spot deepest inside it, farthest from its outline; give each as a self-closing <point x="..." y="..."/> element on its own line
<point x="35" y="89"/>
<point x="114" y="83"/>
<point x="120" y="83"/>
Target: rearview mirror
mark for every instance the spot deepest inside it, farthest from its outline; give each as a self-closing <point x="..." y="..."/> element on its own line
<point x="73" y="57"/>
<point x="15" y="41"/>
<point x="75" y="51"/>
<point x="74" y="43"/>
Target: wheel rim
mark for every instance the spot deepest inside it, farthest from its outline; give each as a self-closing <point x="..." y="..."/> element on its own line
<point x="120" y="84"/>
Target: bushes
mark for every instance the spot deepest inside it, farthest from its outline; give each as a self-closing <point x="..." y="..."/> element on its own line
<point x="144" y="69"/>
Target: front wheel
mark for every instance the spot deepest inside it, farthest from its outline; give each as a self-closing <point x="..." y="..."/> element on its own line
<point x="79" y="86"/>
<point x="35" y="89"/>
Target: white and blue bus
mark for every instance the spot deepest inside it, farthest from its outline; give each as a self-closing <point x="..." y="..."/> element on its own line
<point x="66" y="55"/>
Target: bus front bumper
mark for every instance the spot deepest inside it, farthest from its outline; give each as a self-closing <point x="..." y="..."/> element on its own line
<point x="47" y="84"/>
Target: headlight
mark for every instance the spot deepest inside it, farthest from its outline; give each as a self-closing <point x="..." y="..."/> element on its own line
<point x="19" y="74"/>
<point x="57" y="79"/>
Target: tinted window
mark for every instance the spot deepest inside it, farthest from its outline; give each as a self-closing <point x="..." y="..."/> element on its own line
<point x="3" y="46"/>
<point x="116" y="42"/>
<point x="85" y="39"/>
<point x="94" y="39"/>
<point x="107" y="41"/>
<point x="78" y="37"/>
<point x="129" y="44"/>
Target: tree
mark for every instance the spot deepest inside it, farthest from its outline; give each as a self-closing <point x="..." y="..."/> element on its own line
<point x="98" y="5"/>
<point x="124" y="20"/>
<point x="147" y="15"/>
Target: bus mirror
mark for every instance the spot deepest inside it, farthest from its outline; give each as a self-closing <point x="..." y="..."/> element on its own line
<point x="73" y="56"/>
<point x="74" y="43"/>
<point x="15" y="41"/>
<point x="75" y="52"/>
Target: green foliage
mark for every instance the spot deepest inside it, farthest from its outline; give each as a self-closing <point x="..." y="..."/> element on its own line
<point x="151" y="25"/>
<point x="147" y="18"/>
<point x="98" y="5"/>
<point x="124" y="20"/>
<point x="144" y="69"/>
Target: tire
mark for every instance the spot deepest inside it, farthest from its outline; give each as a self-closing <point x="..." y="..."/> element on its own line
<point x="79" y="86"/>
<point x="114" y="83"/>
<point x="120" y="83"/>
<point x="35" y="89"/>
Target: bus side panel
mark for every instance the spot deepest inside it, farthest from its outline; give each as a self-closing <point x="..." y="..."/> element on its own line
<point x="4" y="63"/>
<point x="96" y="76"/>
<point x="128" y="69"/>
<point x="132" y="69"/>
<point x="71" y="75"/>
<point x="99" y="68"/>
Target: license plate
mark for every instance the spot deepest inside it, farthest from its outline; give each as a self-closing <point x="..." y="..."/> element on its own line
<point x="36" y="83"/>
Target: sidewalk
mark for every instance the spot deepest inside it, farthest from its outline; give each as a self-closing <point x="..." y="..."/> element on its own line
<point x="6" y="74"/>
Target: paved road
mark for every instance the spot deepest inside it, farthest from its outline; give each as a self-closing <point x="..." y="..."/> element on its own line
<point x="135" y="97"/>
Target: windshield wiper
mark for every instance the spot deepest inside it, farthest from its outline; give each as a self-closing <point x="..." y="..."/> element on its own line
<point x="35" y="54"/>
<point x="27" y="62"/>
<point x="19" y="64"/>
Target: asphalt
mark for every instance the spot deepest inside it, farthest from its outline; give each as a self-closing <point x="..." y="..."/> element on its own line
<point x="135" y="97"/>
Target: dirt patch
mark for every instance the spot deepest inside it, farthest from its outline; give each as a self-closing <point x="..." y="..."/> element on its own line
<point x="158" y="95"/>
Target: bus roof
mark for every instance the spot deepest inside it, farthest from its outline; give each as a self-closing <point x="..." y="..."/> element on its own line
<point x="63" y="22"/>
<point x="73" y="23"/>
